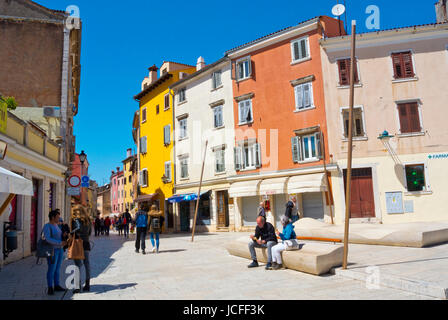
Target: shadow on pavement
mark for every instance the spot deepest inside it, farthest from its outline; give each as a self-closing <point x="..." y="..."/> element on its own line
<point x="99" y="289"/>
<point x="172" y="251"/>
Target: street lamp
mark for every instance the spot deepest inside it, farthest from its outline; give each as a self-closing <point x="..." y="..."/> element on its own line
<point x="82" y="157"/>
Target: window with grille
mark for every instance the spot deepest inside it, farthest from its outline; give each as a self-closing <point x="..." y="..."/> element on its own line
<point x="358" y="122"/>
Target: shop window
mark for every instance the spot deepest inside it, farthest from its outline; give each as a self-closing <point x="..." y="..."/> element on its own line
<point x="415" y="177"/>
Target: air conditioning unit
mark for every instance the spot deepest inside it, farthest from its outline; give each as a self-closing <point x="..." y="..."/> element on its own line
<point x="52" y="112"/>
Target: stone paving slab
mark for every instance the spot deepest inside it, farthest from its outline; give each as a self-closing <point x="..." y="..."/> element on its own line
<point x="202" y="270"/>
<point x="423" y="271"/>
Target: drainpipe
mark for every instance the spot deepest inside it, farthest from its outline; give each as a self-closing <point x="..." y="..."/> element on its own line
<point x="175" y="206"/>
<point x="64" y="107"/>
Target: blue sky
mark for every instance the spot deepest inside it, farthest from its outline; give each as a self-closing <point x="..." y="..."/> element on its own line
<point x="121" y="39"/>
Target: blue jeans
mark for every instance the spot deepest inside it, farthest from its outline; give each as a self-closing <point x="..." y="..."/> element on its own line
<point x="157" y="240"/>
<point x="54" y="268"/>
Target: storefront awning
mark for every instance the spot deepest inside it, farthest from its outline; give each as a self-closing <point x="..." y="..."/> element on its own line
<point x="185" y="197"/>
<point x="146" y="197"/>
<point x="307" y="183"/>
<point x="12" y="183"/>
<point x="273" y="186"/>
<point x="244" y="189"/>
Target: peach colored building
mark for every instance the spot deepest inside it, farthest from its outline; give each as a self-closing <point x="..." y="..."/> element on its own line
<point x="400" y="132"/>
<point x="280" y="122"/>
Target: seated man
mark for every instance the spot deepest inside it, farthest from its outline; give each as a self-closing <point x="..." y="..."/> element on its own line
<point x="264" y="238"/>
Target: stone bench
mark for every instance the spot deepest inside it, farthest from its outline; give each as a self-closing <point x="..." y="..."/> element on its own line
<point x="312" y="258"/>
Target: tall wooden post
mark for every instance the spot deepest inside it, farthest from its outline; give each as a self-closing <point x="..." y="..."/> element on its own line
<point x="327" y="179"/>
<point x="350" y="147"/>
<point x="199" y="192"/>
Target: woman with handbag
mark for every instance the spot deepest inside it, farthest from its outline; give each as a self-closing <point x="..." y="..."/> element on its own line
<point x="53" y="236"/>
<point x="289" y="242"/>
<point x="81" y="231"/>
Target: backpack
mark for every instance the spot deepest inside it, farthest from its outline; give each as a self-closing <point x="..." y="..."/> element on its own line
<point x="142" y="220"/>
<point x="155" y="222"/>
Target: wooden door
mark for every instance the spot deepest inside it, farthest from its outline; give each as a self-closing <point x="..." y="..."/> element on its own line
<point x="222" y="205"/>
<point x="362" y="196"/>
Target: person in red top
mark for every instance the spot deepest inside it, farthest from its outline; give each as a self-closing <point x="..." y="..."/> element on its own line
<point x="107" y="224"/>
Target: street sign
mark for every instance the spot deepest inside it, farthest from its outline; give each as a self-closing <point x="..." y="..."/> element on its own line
<point x="74" y="181"/>
<point x="85" y="182"/>
<point x="73" y="191"/>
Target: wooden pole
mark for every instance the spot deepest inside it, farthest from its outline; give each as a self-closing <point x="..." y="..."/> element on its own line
<point x="327" y="179"/>
<point x="199" y="192"/>
<point x="350" y="147"/>
<point x="6" y="203"/>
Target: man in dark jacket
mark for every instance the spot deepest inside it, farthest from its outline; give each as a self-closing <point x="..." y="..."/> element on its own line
<point x="289" y="212"/>
<point x="264" y="237"/>
<point x="127" y="218"/>
<point x="97" y="226"/>
<point x="141" y="222"/>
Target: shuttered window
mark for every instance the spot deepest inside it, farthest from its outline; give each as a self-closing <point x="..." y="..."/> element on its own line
<point x="167" y="135"/>
<point x="143" y="144"/>
<point x="218" y="117"/>
<point x="220" y="165"/>
<point x="216" y="79"/>
<point x="358" y="123"/>
<point x="304" y="96"/>
<point x="409" y="117"/>
<point x="300" y="49"/>
<point x="143" y="178"/>
<point x="167" y="101"/>
<point x="306" y="148"/>
<point x="182" y="96"/>
<point x="403" y="65"/>
<point x="168" y="171"/>
<point x="245" y="111"/>
<point x="344" y="72"/>
<point x="184" y="168"/>
<point x="143" y="115"/>
<point x="248" y="157"/>
<point x="182" y="128"/>
<point x="244" y="68"/>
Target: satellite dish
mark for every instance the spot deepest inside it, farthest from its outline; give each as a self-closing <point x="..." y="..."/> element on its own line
<point x="338" y="10"/>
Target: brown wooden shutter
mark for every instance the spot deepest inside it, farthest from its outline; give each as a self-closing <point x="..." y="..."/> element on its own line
<point x="404" y="121"/>
<point x="414" y="117"/>
<point x="343" y="72"/>
<point x="398" y="71"/>
<point x="407" y="64"/>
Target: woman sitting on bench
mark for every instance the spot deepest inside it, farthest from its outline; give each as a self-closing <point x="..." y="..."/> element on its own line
<point x="289" y="242"/>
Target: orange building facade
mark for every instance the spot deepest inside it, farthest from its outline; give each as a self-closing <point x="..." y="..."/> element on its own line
<point x="280" y="123"/>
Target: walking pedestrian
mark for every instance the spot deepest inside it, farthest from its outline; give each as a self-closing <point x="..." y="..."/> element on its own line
<point x="126" y="221"/>
<point x="82" y="229"/>
<point x="107" y="224"/>
<point x="141" y="222"/>
<point x="262" y="210"/>
<point x="119" y="224"/>
<point x="97" y="225"/>
<point x="53" y="235"/>
<point x="102" y="226"/>
<point x="155" y="227"/>
<point x="290" y="210"/>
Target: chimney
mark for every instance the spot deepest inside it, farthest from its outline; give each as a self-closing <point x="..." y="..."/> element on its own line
<point x="129" y="153"/>
<point x="113" y="172"/>
<point x="200" y="64"/>
<point x="153" y="74"/>
<point x="442" y="11"/>
<point x="118" y="169"/>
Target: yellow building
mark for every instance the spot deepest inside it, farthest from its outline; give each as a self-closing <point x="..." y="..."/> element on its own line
<point x="128" y="183"/>
<point x="156" y="171"/>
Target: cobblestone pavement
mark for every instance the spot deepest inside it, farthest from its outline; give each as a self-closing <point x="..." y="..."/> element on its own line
<point x="183" y="270"/>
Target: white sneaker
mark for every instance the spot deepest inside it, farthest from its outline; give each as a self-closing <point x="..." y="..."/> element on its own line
<point x="154" y="250"/>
